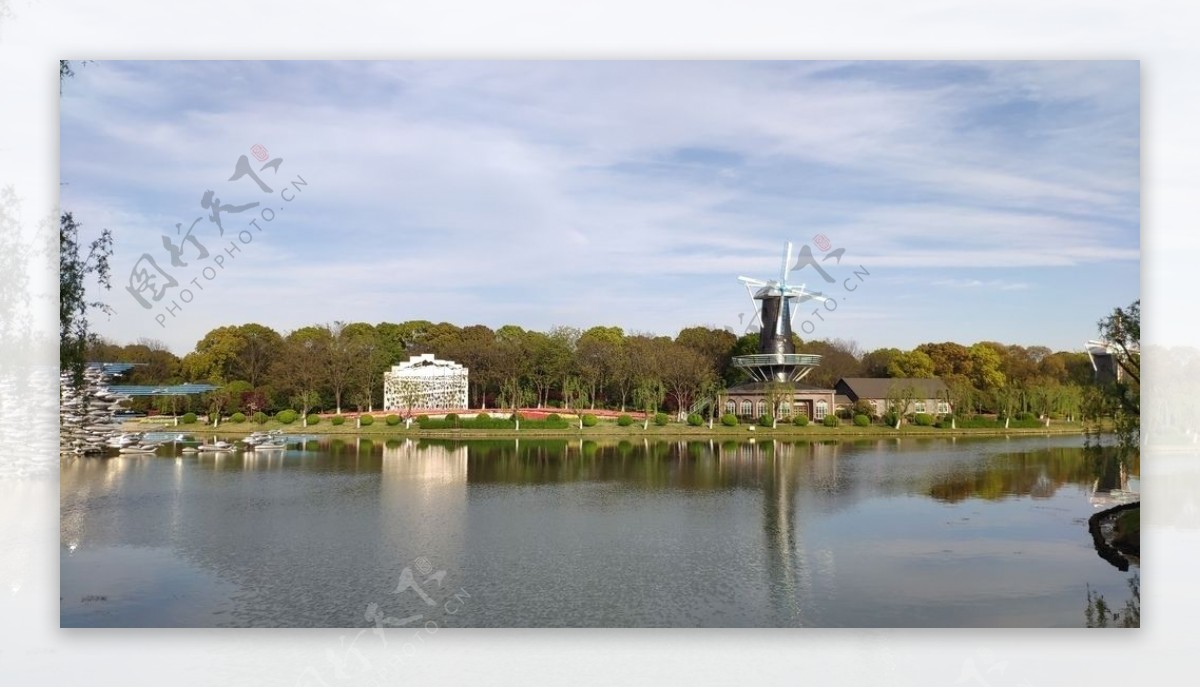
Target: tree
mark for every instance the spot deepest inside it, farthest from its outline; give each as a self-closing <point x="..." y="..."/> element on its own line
<point x="1122" y="331"/>
<point x="304" y="401"/>
<point x="74" y="270"/>
<point x="899" y="399"/>
<point x="915" y="363"/>
<point x="683" y="371"/>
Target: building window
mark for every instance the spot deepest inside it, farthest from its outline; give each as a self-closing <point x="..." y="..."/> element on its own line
<point x="785" y="409"/>
<point x="822" y="409"/>
<point x="730" y="406"/>
<point x="943" y="407"/>
<point x="919" y="407"/>
<point x="879" y="407"/>
<point x="762" y="407"/>
<point x="747" y="407"/>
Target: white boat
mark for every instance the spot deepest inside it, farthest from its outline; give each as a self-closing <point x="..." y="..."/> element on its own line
<point x="139" y="449"/>
<point x="218" y="446"/>
<point x="269" y="445"/>
<point x="188" y="450"/>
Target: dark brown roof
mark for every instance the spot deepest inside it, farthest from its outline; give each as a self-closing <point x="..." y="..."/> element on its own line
<point x="878" y="387"/>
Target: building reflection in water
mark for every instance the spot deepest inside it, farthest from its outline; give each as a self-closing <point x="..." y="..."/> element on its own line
<point x="423" y="501"/>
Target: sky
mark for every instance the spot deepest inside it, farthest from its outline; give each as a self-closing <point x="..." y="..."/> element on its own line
<point x="971" y="201"/>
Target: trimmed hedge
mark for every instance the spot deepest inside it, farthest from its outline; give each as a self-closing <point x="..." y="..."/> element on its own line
<point x="452" y="419"/>
<point x="800" y="420"/>
<point x="766" y="420"/>
<point x="337" y="420"/>
<point x="481" y="416"/>
<point x="237" y="417"/>
<point x="923" y="419"/>
<point x="366" y="419"/>
<point x="392" y="419"/>
<point x="862" y="421"/>
<point x="729" y="420"/>
<point x="831" y="421"/>
<point x="624" y="420"/>
<point x="695" y="420"/>
<point x="553" y="417"/>
<point x="661" y="419"/>
<point x="312" y="419"/>
<point x="260" y="417"/>
<point x="287" y="416"/>
<point x="188" y="418"/>
<point x="589" y="420"/>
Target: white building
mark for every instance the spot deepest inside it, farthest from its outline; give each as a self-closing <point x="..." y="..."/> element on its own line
<point x="424" y="382"/>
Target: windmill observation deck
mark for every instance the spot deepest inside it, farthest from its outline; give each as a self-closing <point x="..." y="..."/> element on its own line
<point x="777" y="367"/>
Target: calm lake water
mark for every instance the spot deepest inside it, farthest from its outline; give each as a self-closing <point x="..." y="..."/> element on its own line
<point x="983" y="532"/>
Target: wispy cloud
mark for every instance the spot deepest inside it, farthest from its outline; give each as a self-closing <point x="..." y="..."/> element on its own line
<point x="484" y="191"/>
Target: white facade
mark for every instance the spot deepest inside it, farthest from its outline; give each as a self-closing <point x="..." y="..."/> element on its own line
<point x="424" y="382"/>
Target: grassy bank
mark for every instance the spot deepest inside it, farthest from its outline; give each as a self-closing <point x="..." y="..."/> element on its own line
<point x="609" y="429"/>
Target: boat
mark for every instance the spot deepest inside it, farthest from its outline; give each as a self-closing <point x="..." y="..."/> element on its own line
<point x="269" y="445"/>
<point x="139" y="449"/>
<point x="188" y="450"/>
<point x="218" y="446"/>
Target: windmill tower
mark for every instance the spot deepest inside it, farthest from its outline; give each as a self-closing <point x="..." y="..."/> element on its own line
<point x="776" y="360"/>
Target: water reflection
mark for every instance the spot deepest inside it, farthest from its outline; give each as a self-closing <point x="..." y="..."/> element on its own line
<point x="886" y="532"/>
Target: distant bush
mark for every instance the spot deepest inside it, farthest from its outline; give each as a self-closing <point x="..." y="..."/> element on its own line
<point x="889" y="419"/>
<point x="366" y="419"/>
<point x="452" y="420"/>
<point x="260" y="417"/>
<point x="589" y="420"/>
<point x="237" y="417"/>
<point x="1025" y="415"/>
<point x="923" y="419"/>
<point x="661" y="418"/>
<point x="337" y="420"/>
<point x="422" y="418"/>
<point x="831" y="421"/>
<point x="766" y="420"/>
<point x="312" y="419"/>
<point x="481" y="416"/>
<point x="553" y="417"/>
<point x="800" y="420"/>
<point x="862" y="420"/>
<point x="844" y="413"/>
<point x="624" y="420"/>
<point x="695" y="420"/>
<point x="729" y="420"/>
<point x="287" y="416"/>
<point x="862" y="407"/>
<point x="188" y="418"/>
<point x="392" y="419"/>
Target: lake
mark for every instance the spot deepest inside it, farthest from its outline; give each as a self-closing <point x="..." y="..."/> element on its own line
<point x="980" y="532"/>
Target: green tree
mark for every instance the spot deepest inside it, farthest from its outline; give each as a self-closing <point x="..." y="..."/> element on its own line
<point x="77" y="262"/>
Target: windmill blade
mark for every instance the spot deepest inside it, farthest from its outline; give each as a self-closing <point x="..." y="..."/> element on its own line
<point x="752" y="281"/>
<point x="787" y="258"/>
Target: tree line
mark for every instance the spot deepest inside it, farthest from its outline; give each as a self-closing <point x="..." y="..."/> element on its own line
<point x="340" y="366"/>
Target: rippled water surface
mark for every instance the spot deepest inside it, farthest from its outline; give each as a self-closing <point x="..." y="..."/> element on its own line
<point x="399" y="534"/>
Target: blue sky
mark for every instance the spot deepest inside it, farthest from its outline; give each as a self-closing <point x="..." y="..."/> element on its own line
<point x="991" y="200"/>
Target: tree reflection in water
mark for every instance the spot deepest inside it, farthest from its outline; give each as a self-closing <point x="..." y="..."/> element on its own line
<point x="1099" y="615"/>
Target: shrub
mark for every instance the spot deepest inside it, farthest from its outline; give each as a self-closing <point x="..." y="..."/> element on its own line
<point x="729" y="420"/>
<point x="624" y="420"/>
<point x="923" y="419"/>
<point x="452" y="420"/>
<point x="422" y="418"/>
<point x="337" y="420"/>
<point x="695" y="420"/>
<point x="287" y="416"/>
<point x="889" y="419"/>
<point x="766" y="420"/>
<point x="831" y="421"/>
<point x="238" y="417"/>
<point x="392" y="419"/>
<point x="589" y="420"/>
<point x="1025" y="415"/>
<point x="188" y="418"/>
<point x="312" y="419"/>
<point x="862" y="407"/>
<point x="844" y="413"/>
<point x="553" y="417"/>
<point x="800" y="420"/>
<point x="862" y="420"/>
<point x="366" y="419"/>
<point x="481" y="416"/>
<point x="661" y="418"/>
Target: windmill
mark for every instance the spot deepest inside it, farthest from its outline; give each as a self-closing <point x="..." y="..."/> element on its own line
<point x="775" y="314"/>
